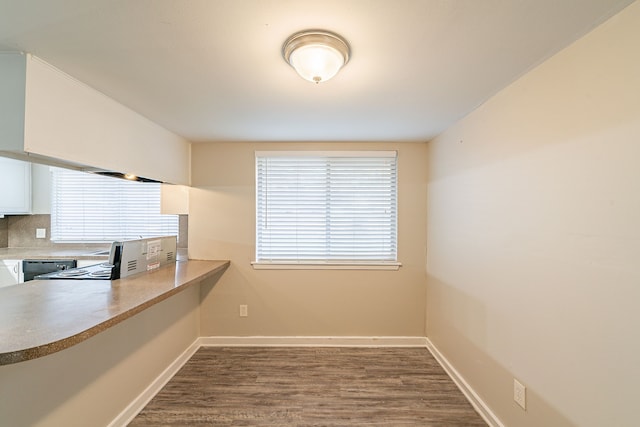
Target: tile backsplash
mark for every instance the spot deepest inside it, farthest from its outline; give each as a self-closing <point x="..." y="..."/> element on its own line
<point x="183" y="231"/>
<point x="22" y="231"/>
<point x="4" y="232"/>
<point x="19" y="231"/>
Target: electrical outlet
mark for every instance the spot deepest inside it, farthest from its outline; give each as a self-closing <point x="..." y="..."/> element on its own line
<point x="520" y="394"/>
<point x="244" y="310"/>
<point x="41" y="233"/>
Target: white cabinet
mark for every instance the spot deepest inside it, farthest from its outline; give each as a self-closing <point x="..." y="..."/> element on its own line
<point x="10" y="272"/>
<point x="174" y="199"/>
<point x="15" y="186"/>
<point x="25" y="188"/>
<point x="40" y="189"/>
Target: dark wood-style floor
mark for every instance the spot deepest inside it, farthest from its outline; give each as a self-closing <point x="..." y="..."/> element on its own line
<point x="301" y="386"/>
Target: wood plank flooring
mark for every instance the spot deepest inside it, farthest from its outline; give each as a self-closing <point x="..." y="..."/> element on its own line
<point x="302" y="386"/>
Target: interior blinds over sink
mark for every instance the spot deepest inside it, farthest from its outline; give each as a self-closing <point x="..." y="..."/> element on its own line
<point x="87" y="207"/>
<point x="326" y="207"/>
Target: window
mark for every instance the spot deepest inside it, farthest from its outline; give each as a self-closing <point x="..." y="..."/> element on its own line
<point x="87" y="207"/>
<point x="331" y="208"/>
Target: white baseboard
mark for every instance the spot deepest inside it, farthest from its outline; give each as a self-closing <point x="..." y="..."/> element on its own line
<point x="310" y="341"/>
<point x="480" y="406"/>
<point x="129" y="413"/>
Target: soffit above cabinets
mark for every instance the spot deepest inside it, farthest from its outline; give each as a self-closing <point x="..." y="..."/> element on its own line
<point x="48" y="117"/>
<point x="213" y="70"/>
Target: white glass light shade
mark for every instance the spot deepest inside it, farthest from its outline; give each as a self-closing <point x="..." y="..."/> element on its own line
<point x="316" y="63"/>
<point x="316" y="55"/>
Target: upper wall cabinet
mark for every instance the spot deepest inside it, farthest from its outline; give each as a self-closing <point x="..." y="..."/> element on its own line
<point x="51" y="116"/>
<point x="174" y="199"/>
<point x="40" y="189"/>
<point x="15" y="187"/>
<point x="25" y="188"/>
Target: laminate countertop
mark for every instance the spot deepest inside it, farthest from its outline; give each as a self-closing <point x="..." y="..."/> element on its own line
<point x="55" y="253"/>
<point x="41" y="317"/>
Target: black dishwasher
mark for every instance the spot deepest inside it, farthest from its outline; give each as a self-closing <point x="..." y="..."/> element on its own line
<point x="34" y="267"/>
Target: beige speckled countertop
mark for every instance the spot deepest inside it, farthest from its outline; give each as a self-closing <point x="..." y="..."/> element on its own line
<point x="54" y="253"/>
<point x="44" y="316"/>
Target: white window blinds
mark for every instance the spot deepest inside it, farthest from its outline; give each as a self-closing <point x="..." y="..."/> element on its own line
<point x="326" y="207"/>
<point x="87" y="207"/>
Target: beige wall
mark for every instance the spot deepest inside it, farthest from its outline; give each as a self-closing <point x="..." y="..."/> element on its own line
<point x="89" y="384"/>
<point x="310" y="302"/>
<point x="534" y="237"/>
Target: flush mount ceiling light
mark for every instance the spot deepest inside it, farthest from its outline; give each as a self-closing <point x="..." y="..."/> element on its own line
<point x="316" y="55"/>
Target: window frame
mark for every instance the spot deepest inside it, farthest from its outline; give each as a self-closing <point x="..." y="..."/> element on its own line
<point x="327" y="264"/>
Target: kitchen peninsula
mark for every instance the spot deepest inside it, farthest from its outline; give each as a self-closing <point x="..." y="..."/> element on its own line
<point x="94" y="348"/>
<point x="43" y="317"/>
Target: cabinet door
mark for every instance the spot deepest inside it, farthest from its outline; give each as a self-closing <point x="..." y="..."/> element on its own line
<point x="10" y="272"/>
<point x="40" y="189"/>
<point x="15" y="186"/>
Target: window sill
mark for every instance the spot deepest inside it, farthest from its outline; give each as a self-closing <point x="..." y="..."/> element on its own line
<point x="262" y="265"/>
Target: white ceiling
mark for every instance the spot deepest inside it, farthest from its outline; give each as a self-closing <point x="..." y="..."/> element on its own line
<point x="211" y="70"/>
